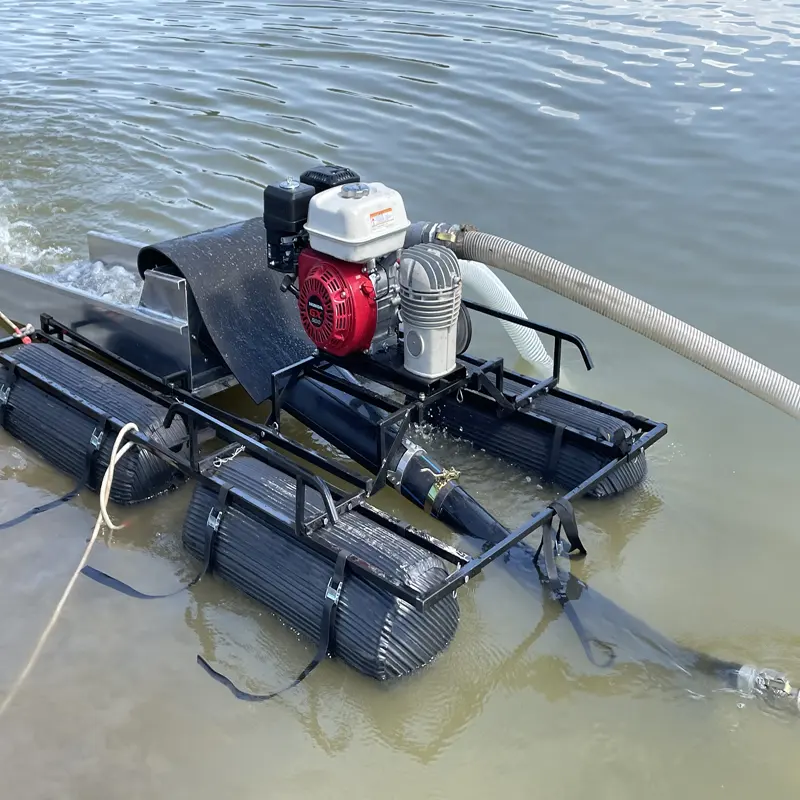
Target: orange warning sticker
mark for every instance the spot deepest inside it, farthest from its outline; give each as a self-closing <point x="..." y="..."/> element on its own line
<point x="379" y="219"/>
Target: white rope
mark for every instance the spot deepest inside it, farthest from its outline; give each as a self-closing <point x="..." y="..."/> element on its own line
<point x="105" y="493"/>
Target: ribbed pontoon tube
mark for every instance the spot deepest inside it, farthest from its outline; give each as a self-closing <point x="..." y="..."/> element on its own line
<point x="639" y="316"/>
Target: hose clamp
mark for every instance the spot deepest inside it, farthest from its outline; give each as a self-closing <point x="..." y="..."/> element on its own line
<point x="395" y="476"/>
<point x="440" y="498"/>
<point x="445" y="477"/>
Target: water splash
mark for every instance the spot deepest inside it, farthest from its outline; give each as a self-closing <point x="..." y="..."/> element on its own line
<point x="20" y="242"/>
<point x="108" y="282"/>
<point x="21" y="247"/>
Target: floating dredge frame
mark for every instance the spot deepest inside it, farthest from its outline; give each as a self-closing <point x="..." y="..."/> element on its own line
<point x="471" y="375"/>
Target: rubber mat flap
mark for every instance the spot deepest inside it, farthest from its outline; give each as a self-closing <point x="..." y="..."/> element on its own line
<point x="254" y="325"/>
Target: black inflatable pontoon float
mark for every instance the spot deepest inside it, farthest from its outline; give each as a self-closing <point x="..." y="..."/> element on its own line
<point x="333" y="308"/>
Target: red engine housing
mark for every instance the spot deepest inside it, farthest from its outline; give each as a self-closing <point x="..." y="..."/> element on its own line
<point x="337" y="303"/>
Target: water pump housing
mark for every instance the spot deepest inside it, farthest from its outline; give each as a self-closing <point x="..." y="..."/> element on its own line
<point x="430" y="304"/>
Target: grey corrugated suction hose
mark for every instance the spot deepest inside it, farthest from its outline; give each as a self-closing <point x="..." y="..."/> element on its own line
<point x="639" y="316"/>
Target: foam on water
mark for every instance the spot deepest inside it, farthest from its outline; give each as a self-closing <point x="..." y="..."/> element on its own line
<point x="21" y="247"/>
<point x="109" y="282"/>
<point x="20" y="241"/>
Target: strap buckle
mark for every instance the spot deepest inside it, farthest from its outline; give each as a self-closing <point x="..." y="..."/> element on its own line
<point x="214" y="519"/>
<point x="96" y="439"/>
<point x="215" y="515"/>
<point x="623" y="440"/>
<point x="333" y="593"/>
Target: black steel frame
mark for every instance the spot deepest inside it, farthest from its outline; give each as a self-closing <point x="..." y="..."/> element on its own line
<point x="421" y="395"/>
<point x="473" y="376"/>
<point x="335" y="500"/>
<point x="198" y="415"/>
<point x="485" y="381"/>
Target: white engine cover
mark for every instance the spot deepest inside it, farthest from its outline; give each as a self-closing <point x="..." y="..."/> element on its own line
<point x="357" y="222"/>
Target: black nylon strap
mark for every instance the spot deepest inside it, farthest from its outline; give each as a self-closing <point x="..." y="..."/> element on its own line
<point x="555" y="452"/>
<point x="548" y="546"/>
<point x="208" y="558"/>
<point x="6" y="386"/>
<point x="211" y="542"/>
<point x="566" y="521"/>
<point x="92" y="449"/>
<point x="327" y="637"/>
<point x="584" y="638"/>
<point x="557" y="587"/>
<point x="566" y="516"/>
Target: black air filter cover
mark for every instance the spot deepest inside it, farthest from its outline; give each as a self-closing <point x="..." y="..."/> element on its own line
<point x="286" y="207"/>
<point x="327" y="176"/>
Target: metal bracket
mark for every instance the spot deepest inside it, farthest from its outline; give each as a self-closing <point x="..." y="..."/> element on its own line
<point x="5" y="393"/>
<point x="282" y="381"/>
<point x="385" y="455"/>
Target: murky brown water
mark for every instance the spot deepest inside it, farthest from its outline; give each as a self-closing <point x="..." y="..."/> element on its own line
<point x="651" y="143"/>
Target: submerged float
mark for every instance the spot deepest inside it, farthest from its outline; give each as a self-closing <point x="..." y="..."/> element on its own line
<point x="334" y="308"/>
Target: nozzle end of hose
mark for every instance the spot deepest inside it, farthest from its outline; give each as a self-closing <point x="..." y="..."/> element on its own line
<point x="770" y="686"/>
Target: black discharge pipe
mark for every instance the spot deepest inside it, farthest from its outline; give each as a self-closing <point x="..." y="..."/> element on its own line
<point x="603" y="627"/>
<point x="346" y="422"/>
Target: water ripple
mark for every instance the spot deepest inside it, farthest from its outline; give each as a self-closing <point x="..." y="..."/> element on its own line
<point x="652" y="142"/>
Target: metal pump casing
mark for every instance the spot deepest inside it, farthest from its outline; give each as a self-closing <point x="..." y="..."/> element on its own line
<point x="430" y="301"/>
